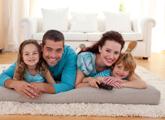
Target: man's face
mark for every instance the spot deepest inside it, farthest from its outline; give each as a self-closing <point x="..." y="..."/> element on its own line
<point x="52" y="51"/>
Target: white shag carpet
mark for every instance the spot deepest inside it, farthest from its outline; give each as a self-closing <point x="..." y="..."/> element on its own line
<point x="92" y="109"/>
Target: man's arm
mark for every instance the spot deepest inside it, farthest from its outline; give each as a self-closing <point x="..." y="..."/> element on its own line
<point x="68" y="76"/>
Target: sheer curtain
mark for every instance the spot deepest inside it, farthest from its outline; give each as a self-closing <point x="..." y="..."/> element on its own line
<point x="153" y="9"/>
<point x="13" y="12"/>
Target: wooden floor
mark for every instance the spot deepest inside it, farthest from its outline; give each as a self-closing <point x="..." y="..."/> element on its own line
<point x="155" y="64"/>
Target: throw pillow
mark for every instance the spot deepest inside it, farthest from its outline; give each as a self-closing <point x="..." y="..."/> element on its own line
<point x="55" y="19"/>
<point x="117" y="21"/>
<point x="83" y="22"/>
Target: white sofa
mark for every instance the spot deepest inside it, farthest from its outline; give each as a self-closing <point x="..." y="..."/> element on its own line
<point x="87" y="28"/>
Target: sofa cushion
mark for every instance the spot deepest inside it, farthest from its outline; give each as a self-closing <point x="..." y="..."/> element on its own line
<point x="132" y="36"/>
<point x="83" y="22"/>
<point x="128" y="36"/>
<point x="91" y="36"/>
<point x="117" y="21"/>
<point x="77" y="36"/>
<point x="55" y="19"/>
<point x="90" y="95"/>
<point x="94" y="36"/>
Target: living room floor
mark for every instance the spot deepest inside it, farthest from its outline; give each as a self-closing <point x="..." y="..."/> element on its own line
<point x="154" y="64"/>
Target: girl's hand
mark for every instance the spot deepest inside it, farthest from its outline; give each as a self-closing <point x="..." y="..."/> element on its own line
<point x="113" y="81"/>
<point x="25" y="89"/>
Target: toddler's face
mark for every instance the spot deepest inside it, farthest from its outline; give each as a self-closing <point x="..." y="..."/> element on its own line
<point x="120" y="71"/>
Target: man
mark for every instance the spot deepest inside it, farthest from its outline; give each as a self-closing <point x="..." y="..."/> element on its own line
<point x="61" y="60"/>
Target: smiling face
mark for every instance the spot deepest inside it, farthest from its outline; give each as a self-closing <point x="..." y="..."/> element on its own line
<point x="120" y="71"/>
<point x="109" y="53"/>
<point x="52" y="51"/>
<point x="30" y="55"/>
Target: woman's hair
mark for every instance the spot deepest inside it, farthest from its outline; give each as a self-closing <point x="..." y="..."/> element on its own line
<point x="108" y="36"/>
<point x="20" y="65"/>
<point x="128" y="62"/>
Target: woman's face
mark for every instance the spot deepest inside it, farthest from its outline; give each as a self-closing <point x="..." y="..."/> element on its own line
<point x="110" y="52"/>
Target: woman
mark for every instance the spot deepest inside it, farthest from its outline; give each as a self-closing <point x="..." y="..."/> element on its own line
<point x="99" y="57"/>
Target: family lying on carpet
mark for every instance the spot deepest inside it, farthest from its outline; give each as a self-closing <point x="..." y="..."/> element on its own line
<point x="53" y="67"/>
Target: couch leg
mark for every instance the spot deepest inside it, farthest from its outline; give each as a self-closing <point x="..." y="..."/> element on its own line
<point x="145" y="58"/>
<point x="1" y="50"/>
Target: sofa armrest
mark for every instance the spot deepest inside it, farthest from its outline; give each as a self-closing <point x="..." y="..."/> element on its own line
<point x="146" y="29"/>
<point x="28" y="26"/>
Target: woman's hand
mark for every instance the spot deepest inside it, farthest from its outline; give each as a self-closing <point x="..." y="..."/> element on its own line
<point x="92" y="81"/>
<point x="113" y="81"/>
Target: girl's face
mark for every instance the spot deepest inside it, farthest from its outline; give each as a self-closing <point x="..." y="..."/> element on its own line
<point x="110" y="52"/>
<point x="120" y="71"/>
<point x="30" y="55"/>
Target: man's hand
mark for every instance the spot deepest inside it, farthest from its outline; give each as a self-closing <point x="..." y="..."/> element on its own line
<point x="44" y="87"/>
<point x="23" y="88"/>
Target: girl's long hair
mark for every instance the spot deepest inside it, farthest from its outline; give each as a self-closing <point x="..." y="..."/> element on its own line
<point x="20" y="65"/>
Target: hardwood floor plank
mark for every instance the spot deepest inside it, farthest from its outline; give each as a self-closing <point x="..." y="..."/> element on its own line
<point x="38" y="117"/>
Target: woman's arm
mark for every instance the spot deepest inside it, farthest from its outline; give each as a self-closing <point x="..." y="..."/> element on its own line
<point x="82" y="81"/>
<point x="79" y="80"/>
<point x="134" y="81"/>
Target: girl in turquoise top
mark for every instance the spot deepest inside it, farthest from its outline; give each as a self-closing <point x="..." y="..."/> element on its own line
<point x="30" y="66"/>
